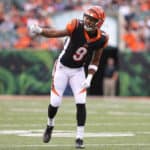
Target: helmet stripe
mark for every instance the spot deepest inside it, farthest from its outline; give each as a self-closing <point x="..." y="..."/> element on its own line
<point x="94" y="12"/>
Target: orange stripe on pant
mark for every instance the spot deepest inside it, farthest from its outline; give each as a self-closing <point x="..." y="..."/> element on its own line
<point x="54" y="90"/>
<point x="83" y="90"/>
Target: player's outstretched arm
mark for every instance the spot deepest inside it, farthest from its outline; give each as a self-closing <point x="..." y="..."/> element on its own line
<point x="54" y="33"/>
<point x="35" y="29"/>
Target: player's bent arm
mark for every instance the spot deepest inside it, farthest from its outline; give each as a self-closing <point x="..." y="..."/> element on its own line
<point x="93" y="67"/>
<point x="54" y="33"/>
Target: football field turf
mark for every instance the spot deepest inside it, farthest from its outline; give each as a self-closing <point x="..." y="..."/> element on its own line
<point x="112" y="124"/>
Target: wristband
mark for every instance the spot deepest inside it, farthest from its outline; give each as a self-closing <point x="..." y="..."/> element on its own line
<point x="94" y="67"/>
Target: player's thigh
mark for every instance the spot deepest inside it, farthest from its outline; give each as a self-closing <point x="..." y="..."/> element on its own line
<point x="60" y="78"/>
<point x="59" y="83"/>
<point x="76" y="85"/>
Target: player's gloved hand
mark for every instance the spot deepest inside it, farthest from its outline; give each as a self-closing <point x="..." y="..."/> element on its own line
<point x="34" y="29"/>
<point x="87" y="81"/>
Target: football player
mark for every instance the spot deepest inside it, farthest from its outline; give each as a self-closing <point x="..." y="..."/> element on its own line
<point x="84" y="38"/>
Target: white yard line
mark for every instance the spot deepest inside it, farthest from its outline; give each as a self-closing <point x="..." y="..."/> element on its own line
<point x="70" y="133"/>
<point x="64" y="133"/>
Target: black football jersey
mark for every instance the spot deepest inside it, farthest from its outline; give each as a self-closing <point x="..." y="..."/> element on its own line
<point x="79" y="46"/>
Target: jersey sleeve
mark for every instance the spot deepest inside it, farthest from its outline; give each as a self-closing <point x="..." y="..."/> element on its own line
<point x="72" y="25"/>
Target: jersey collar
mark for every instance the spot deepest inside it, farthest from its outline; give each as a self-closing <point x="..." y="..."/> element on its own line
<point x="89" y="39"/>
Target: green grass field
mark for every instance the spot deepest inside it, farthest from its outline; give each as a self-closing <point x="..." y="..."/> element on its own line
<point x="112" y="124"/>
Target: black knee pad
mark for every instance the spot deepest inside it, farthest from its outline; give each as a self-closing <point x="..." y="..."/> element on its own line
<point x="52" y="111"/>
<point x="81" y="114"/>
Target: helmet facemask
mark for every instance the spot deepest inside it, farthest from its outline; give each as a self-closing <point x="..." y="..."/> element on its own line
<point x="90" y="23"/>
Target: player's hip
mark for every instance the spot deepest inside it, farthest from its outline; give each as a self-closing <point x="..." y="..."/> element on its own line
<point x="62" y="69"/>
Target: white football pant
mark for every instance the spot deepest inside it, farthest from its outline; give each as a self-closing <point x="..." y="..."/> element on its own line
<point x="63" y="75"/>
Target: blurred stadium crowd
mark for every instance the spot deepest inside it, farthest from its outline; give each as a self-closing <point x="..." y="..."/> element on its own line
<point x="16" y="15"/>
